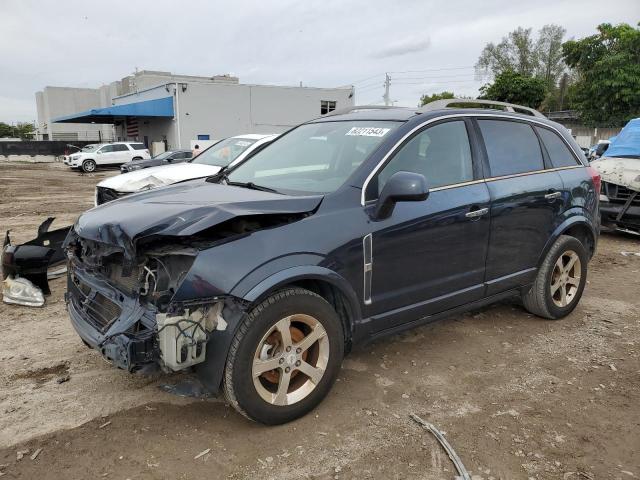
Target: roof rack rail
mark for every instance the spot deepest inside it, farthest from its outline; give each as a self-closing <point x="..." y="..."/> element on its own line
<point x="508" y="107"/>
<point x="354" y="108"/>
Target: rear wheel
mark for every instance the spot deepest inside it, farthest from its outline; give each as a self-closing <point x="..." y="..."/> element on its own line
<point x="284" y="358"/>
<point x="88" y="166"/>
<point x="560" y="280"/>
<point x="136" y="158"/>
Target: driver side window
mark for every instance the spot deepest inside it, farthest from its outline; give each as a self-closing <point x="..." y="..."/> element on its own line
<point x="106" y="149"/>
<point x="441" y="153"/>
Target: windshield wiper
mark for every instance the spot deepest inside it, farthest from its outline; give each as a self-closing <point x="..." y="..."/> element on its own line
<point x="219" y="177"/>
<point x="252" y="186"/>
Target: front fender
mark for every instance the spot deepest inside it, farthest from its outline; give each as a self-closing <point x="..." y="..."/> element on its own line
<point x="245" y="294"/>
<point x="304" y="272"/>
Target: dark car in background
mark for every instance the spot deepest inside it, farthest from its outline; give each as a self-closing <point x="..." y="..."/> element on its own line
<point x="356" y="225"/>
<point x="165" y="158"/>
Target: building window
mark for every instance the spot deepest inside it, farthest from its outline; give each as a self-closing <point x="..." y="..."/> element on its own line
<point x="327" y="106"/>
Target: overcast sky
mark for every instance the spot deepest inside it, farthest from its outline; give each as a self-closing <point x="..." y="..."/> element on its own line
<point x="427" y="45"/>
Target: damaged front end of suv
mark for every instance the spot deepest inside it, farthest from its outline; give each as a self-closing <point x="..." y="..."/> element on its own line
<point x="136" y="288"/>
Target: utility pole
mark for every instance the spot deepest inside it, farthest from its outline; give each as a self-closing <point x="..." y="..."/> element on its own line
<point x="387" y="83"/>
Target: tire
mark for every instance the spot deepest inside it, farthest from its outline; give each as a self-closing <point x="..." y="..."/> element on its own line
<point x="259" y="341"/>
<point x="88" y="166"/>
<point x="545" y="298"/>
<point x="136" y="158"/>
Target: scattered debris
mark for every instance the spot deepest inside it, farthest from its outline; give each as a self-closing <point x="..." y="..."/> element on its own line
<point x="464" y="475"/>
<point x="613" y="367"/>
<point x="20" y="291"/>
<point x="36" y="453"/>
<point x="21" y="453"/>
<point x="630" y="254"/>
<point x="63" y="379"/>
<point x="202" y="454"/>
<point x="189" y="387"/>
<point x="33" y="259"/>
<point x="106" y="424"/>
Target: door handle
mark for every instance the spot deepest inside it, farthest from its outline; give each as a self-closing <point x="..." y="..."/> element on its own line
<point x="477" y="213"/>
<point x="553" y="195"/>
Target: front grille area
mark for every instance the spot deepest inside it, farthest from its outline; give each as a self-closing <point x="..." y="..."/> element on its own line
<point x="104" y="195"/>
<point x="116" y="274"/>
<point x="618" y="193"/>
<point x="98" y="310"/>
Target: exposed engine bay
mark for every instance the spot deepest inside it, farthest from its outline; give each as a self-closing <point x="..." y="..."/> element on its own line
<point x="127" y="301"/>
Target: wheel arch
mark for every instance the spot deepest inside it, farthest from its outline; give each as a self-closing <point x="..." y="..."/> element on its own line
<point x="322" y="281"/>
<point x="577" y="226"/>
<point x="328" y="284"/>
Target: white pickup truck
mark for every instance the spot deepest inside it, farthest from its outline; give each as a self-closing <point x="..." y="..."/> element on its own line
<point x="93" y="156"/>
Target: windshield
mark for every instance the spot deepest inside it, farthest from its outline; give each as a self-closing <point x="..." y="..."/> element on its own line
<point x="89" y="148"/>
<point x="224" y="152"/>
<point x="162" y="156"/>
<point x="313" y="158"/>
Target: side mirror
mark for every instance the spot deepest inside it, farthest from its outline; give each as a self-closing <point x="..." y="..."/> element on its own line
<point x="401" y="187"/>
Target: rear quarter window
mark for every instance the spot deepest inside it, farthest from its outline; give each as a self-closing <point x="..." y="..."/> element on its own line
<point x="138" y="146"/>
<point x="512" y="147"/>
<point x="559" y="153"/>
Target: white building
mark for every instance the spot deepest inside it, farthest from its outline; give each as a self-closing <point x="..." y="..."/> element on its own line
<point x="176" y="109"/>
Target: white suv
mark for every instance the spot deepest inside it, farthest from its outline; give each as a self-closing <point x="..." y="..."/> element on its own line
<point x="92" y="156"/>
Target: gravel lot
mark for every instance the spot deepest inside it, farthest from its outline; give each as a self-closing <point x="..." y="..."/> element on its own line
<point x="518" y="397"/>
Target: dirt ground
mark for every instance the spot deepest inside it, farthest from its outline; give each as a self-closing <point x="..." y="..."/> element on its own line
<point x="518" y="397"/>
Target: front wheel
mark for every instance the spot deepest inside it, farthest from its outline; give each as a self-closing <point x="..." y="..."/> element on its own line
<point x="285" y="357"/>
<point x="560" y="280"/>
<point x="88" y="166"/>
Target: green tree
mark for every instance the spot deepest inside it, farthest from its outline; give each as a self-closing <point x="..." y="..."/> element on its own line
<point x="607" y="90"/>
<point x="516" y="52"/>
<point x="550" y="65"/>
<point x="520" y="52"/>
<point x="424" y="99"/>
<point x="19" y="130"/>
<point x="513" y="87"/>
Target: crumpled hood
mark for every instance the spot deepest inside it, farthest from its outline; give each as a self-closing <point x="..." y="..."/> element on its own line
<point x="181" y="210"/>
<point x="148" y="178"/>
<point x="620" y="171"/>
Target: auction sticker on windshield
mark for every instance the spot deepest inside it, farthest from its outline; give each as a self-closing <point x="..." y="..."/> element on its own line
<point x="367" y="131"/>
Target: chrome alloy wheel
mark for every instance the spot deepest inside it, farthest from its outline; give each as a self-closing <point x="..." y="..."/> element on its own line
<point x="290" y="360"/>
<point x="565" y="278"/>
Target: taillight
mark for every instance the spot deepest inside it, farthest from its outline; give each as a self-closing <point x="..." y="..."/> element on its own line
<point x="595" y="176"/>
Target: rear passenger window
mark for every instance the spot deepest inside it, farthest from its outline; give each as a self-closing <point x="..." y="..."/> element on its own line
<point x="119" y="148"/>
<point x="512" y="147"/>
<point x="559" y="153"/>
<point x="441" y="153"/>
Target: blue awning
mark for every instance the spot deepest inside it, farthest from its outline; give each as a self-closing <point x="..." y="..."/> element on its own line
<point x="160" y="107"/>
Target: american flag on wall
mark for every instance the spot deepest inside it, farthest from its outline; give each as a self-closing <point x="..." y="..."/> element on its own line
<point x="132" y="127"/>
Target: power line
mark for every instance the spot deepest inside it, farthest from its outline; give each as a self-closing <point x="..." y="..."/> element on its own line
<point x="435" y="69"/>
<point x="453" y="75"/>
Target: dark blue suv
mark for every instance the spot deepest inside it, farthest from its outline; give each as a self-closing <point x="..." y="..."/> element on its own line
<point x="352" y="226"/>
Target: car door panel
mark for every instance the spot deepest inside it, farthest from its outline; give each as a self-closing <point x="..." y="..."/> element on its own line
<point x="105" y="155"/>
<point x="424" y="261"/>
<point x="526" y="200"/>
